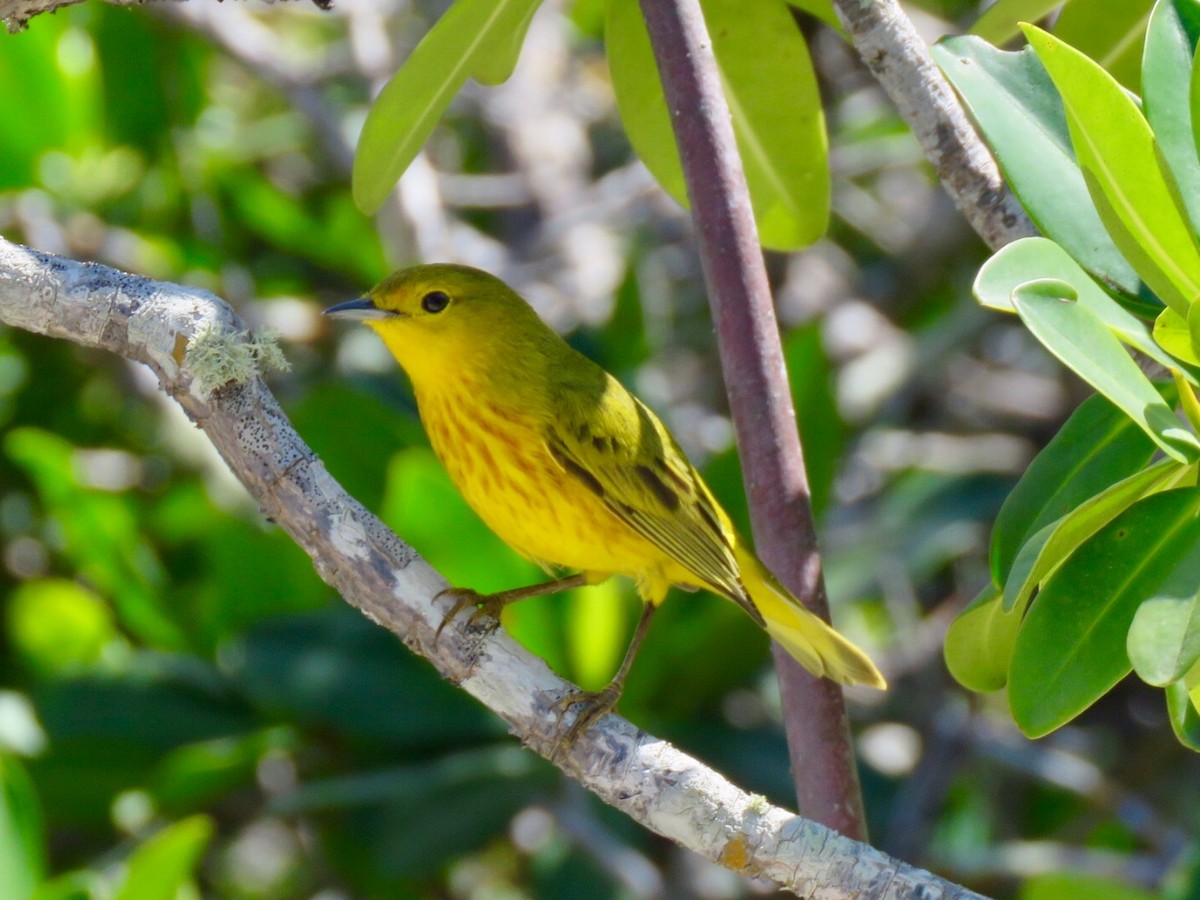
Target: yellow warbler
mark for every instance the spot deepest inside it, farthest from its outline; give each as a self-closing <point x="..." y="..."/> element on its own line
<point x="569" y="468"/>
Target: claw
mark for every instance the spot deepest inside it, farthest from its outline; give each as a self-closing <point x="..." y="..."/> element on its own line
<point x="485" y="606"/>
<point x="594" y="705"/>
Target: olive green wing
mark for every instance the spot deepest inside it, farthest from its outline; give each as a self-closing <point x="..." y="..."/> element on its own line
<point x="620" y="451"/>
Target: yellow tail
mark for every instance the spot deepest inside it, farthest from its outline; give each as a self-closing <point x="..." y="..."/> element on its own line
<point x="815" y="645"/>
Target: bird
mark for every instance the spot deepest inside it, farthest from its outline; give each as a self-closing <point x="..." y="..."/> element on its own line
<point x="572" y="470"/>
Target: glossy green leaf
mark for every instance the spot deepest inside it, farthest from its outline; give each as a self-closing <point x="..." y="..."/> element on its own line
<point x="1109" y="31"/>
<point x="1166" y="80"/>
<point x="773" y="99"/>
<point x="163" y="864"/>
<point x="22" y="849"/>
<point x="821" y="9"/>
<point x="1021" y="114"/>
<point x="999" y="21"/>
<point x="1120" y="162"/>
<point x="1050" y="546"/>
<point x="1096" y="447"/>
<point x="1173" y="334"/>
<point x="1071" y="647"/>
<point x="1080" y="340"/>
<point x="471" y="33"/>
<point x="1194" y="100"/>
<point x="1164" y="639"/>
<point x="1189" y="402"/>
<point x="1036" y="258"/>
<point x="979" y="642"/>
<point x="1185" y="720"/>
<point x="497" y="55"/>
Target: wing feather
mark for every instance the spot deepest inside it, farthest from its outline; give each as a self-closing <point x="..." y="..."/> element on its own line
<point x="621" y="452"/>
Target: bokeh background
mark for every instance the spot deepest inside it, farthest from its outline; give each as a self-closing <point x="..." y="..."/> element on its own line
<point x="183" y="704"/>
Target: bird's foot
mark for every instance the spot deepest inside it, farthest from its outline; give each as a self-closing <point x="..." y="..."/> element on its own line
<point x="487" y="606"/>
<point x="591" y="705"/>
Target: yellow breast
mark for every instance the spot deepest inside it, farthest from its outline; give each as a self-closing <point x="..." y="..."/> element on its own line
<point x="498" y="460"/>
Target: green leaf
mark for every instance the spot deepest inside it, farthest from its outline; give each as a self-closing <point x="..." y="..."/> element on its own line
<point x="1050" y="546"/>
<point x="1185" y="720"/>
<point x="1035" y="259"/>
<point x="78" y="885"/>
<point x="1071" y="647"/>
<point x="1109" y="31"/>
<point x="821" y="9"/>
<point x="496" y="57"/>
<point x="1166" y="79"/>
<point x="979" y="642"/>
<point x="1096" y="447"/>
<point x="773" y="99"/>
<point x="1194" y="100"/>
<point x="1120" y="162"/>
<point x="822" y="431"/>
<point x="999" y="21"/>
<point x="22" y="849"/>
<point x="1173" y="334"/>
<point x="471" y="34"/>
<point x="1164" y="639"/>
<point x="1021" y="114"/>
<point x="1080" y="340"/>
<point x="164" y="863"/>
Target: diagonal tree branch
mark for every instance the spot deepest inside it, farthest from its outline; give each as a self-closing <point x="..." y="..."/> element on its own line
<point x="899" y="59"/>
<point x="818" y="731"/>
<point x="657" y="785"/>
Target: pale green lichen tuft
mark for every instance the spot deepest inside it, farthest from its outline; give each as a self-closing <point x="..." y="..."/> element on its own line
<point x="216" y="356"/>
<point x="758" y="804"/>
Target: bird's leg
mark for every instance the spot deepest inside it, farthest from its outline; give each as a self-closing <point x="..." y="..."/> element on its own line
<point x="595" y="704"/>
<point x="491" y="604"/>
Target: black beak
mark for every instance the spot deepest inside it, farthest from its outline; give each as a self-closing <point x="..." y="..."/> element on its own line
<point x="359" y="310"/>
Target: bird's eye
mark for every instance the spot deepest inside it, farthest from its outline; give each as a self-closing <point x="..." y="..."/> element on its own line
<point x="434" y="302"/>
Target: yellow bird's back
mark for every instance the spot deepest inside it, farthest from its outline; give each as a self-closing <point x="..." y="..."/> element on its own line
<point x="567" y="466"/>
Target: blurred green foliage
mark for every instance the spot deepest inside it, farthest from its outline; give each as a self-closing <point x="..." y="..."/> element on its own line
<point x="186" y="708"/>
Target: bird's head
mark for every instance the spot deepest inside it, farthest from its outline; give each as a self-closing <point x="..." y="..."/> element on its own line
<point x="435" y="318"/>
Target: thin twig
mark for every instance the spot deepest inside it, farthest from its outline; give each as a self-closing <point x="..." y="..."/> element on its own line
<point x="755" y="378"/>
<point x="890" y="46"/>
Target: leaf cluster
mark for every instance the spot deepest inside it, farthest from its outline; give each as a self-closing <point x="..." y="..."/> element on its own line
<point x="1095" y="556"/>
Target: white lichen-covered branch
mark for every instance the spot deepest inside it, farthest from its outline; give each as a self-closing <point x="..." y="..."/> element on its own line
<point x="193" y="342"/>
<point x="899" y="59"/>
<point x="15" y="14"/>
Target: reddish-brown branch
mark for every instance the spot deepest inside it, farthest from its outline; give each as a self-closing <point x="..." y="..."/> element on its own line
<point x="773" y="464"/>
